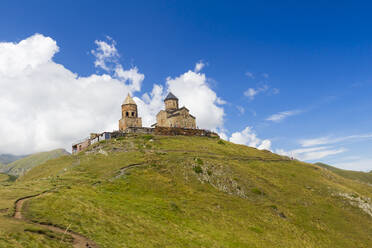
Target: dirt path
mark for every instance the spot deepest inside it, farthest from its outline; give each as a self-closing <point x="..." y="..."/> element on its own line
<point x="124" y="169"/>
<point x="79" y="240"/>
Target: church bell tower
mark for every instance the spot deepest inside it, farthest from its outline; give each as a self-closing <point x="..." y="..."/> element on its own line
<point x="129" y="114"/>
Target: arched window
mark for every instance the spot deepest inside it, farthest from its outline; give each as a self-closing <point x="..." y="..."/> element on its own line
<point x="132" y="113"/>
<point x="126" y="114"/>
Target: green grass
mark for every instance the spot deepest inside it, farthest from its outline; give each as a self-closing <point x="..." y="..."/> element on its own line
<point x="240" y="197"/>
<point x="360" y="176"/>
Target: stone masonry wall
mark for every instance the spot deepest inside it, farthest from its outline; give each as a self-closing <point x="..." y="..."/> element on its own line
<point x="172" y="131"/>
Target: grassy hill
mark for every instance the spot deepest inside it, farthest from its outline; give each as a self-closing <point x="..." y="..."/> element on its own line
<point x="360" y="176"/>
<point x="187" y="192"/>
<point x="21" y="166"/>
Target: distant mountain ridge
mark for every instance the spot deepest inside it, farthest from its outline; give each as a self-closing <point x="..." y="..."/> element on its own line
<point x="21" y="166"/>
<point x="9" y="158"/>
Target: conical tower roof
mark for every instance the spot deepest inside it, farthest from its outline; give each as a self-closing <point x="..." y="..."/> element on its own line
<point x="170" y="96"/>
<point x="129" y="100"/>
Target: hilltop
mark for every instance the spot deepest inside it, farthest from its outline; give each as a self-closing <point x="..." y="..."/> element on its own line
<point x="162" y="191"/>
<point x="25" y="163"/>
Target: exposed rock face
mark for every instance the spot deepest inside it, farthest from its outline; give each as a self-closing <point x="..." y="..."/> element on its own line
<point x="363" y="203"/>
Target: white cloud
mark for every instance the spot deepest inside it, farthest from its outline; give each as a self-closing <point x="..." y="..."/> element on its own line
<point x="199" y="66"/>
<point x="329" y="140"/>
<point x="251" y="92"/>
<point x="131" y="75"/>
<point x="282" y="115"/>
<point x="43" y="105"/>
<point x="105" y="54"/>
<point x="150" y="104"/>
<point x="249" y="74"/>
<point x="265" y="75"/>
<point x="46" y="106"/>
<point x="193" y="91"/>
<point x="361" y="164"/>
<point x="240" y="109"/>
<point x="275" y="91"/>
<point x="312" y="153"/>
<point x="248" y="137"/>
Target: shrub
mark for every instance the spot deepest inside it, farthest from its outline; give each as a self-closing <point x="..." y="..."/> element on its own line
<point x="174" y="206"/>
<point x="199" y="161"/>
<point x="221" y="142"/>
<point x="274" y="207"/>
<point x="256" y="229"/>
<point x="148" y="137"/>
<point x="198" y="169"/>
<point x="257" y="191"/>
<point x="209" y="172"/>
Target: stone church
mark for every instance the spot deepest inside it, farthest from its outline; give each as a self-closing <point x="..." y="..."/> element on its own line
<point x="173" y="116"/>
<point x="129" y="114"/>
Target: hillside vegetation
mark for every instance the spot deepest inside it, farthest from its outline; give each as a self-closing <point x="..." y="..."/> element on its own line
<point x="360" y="176"/>
<point x="21" y="166"/>
<point x="145" y="191"/>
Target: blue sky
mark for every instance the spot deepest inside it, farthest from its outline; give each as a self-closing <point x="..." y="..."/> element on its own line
<point x="297" y="75"/>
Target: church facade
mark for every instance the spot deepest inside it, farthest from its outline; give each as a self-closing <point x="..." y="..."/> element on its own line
<point x="173" y="116"/>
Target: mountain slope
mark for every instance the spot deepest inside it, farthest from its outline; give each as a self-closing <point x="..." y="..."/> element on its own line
<point x="365" y="177"/>
<point x="189" y="192"/>
<point x="21" y="166"/>
<point x="9" y="158"/>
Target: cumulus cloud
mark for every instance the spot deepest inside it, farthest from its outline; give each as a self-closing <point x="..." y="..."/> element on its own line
<point x="250" y="93"/>
<point x="282" y="115"/>
<point x="106" y="54"/>
<point x="194" y="92"/>
<point x="43" y="105"/>
<point x="248" y="137"/>
<point x="199" y="66"/>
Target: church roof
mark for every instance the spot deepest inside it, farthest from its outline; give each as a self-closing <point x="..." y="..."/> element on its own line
<point x="170" y="96"/>
<point x="129" y="100"/>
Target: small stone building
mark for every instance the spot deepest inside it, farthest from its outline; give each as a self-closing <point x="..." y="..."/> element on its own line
<point x="173" y="116"/>
<point x="80" y="145"/>
<point x="129" y="114"/>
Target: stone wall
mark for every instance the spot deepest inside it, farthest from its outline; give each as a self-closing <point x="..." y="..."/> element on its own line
<point x="172" y="131"/>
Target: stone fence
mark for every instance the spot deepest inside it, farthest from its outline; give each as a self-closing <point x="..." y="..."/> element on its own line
<point x="170" y="131"/>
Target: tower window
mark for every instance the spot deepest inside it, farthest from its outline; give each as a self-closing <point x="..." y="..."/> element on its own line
<point x="132" y="113"/>
<point x="126" y="114"/>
